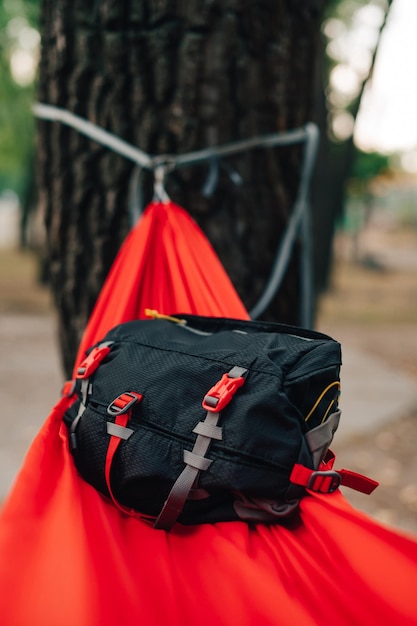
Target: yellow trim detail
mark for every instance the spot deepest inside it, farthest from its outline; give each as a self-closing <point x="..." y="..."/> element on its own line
<point x="317" y="402"/>
<point x="160" y="316"/>
<point x="327" y="412"/>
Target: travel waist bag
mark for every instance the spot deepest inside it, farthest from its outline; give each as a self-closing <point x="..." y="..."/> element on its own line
<point x="196" y="419"/>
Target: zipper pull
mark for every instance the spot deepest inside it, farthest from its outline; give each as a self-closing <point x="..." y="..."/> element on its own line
<point x="160" y="316"/>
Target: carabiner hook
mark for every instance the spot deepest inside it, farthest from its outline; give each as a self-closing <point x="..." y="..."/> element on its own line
<point x="159" y="193"/>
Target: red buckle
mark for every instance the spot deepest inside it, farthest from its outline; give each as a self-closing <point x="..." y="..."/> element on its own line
<point x="324" y="481"/>
<point x="92" y="361"/>
<point x="222" y="392"/>
<point x="123" y="402"/>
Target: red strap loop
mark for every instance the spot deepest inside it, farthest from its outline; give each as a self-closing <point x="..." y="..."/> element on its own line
<point x="121" y="419"/>
<point x="327" y="480"/>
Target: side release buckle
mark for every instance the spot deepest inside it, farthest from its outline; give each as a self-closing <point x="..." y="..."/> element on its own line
<point x="93" y="360"/>
<point x="222" y="392"/>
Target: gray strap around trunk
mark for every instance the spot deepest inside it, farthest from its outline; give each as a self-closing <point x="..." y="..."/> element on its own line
<point x="195" y="462"/>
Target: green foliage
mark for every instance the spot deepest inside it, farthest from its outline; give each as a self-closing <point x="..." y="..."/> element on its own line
<point x="18" y="28"/>
<point x="347" y="76"/>
<point x="367" y="165"/>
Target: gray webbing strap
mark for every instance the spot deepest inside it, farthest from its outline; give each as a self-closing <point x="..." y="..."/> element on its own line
<point x="123" y="432"/>
<point x="85" y="389"/>
<point x="208" y="430"/>
<point x="299" y="223"/>
<point x="151" y="162"/>
<point x="195" y="463"/>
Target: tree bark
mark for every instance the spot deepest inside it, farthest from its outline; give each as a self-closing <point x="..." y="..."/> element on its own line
<point x="171" y="77"/>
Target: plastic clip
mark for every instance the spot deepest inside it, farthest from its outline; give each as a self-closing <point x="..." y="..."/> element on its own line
<point x="220" y="395"/>
<point x="93" y="360"/>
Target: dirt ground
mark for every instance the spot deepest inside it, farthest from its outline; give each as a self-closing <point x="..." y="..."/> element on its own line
<point x="372" y="305"/>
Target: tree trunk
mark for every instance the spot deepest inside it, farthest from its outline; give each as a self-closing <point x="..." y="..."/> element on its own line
<point x="335" y="163"/>
<point x="171" y="77"/>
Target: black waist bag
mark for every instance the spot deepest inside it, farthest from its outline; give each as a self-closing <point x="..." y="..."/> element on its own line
<point x="206" y="420"/>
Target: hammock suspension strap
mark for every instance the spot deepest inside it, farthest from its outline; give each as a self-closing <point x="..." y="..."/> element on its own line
<point x="297" y="226"/>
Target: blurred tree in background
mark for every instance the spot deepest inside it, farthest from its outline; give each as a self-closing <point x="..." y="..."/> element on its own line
<point x="344" y="68"/>
<point x="352" y="31"/>
<point x="19" y="51"/>
<point x="172" y="77"/>
<point x="83" y="46"/>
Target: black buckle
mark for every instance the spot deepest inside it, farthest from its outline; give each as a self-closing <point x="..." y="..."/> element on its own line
<point x="122" y="403"/>
<point x="326" y="481"/>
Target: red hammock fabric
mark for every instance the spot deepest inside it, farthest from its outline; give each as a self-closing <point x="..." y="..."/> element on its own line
<point x="166" y="264"/>
<point x="68" y="557"/>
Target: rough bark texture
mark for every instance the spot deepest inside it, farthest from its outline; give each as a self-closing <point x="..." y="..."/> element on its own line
<point x="171" y="76"/>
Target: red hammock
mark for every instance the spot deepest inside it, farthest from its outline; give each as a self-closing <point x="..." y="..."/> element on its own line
<point x="69" y="558"/>
<point x="165" y="264"/>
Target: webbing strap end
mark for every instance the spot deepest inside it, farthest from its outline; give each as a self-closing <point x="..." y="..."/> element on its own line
<point x="328" y="481"/>
<point x="358" y="482"/>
